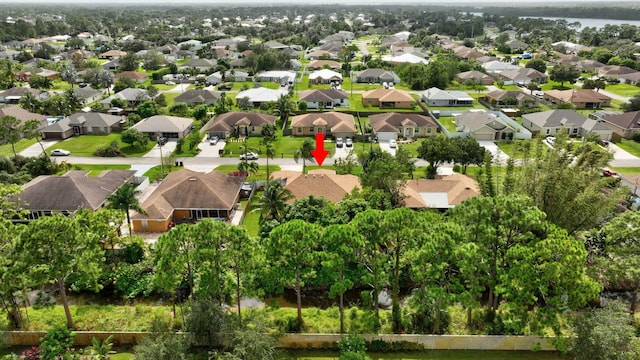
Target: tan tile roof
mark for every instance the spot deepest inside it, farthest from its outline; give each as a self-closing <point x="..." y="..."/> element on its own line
<point x="20" y="114"/>
<point x="187" y="189"/>
<point x="338" y="121"/>
<point x="320" y="182"/>
<point x="457" y="187"/>
<point x="577" y="95"/>
<point x="388" y="95"/>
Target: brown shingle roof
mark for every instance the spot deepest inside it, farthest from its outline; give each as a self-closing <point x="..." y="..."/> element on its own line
<point x="320" y="182"/>
<point x="629" y="120"/>
<point x="226" y="121"/>
<point x="386" y="121"/>
<point x="320" y="95"/>
<point x="72" y="190"/>
<point x="20" y="114"/>
<point x="187" y="189"/>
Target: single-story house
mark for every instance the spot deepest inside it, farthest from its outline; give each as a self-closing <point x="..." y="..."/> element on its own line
<point x="319" y="54"/>
<point x="377" y="76"/>
<point x="171" y="127"/>
<point x="87" y="94"/>
<point x="199" y="64"/>
<point x="474" y="75"/>
<point x="496" y="67"/>
<point x="438" y="97"/>
<point x="50" y="194"/>
<point x="112" y="54"/>
<point x="237" y="123"/>
<point x="510" y="98"/>
<point x="259" y="95"/>
<point x="405" y="59"/>
<point x="138" y="77"/>
<point x="94" y="123"/>
<point x="589" y="65"/>
<point x="623" y="125"/>
<point x="283" y="78"/>
<point x="325" y="76"/>
<point x="20" y="114"/>
<point x="132" y="97"/>
<point x="482" y="125"/>
<point x="580" y="98"/>
<point x="187" y="195"/>
<point x="614" y="71"/>
<point x="318" y="183"/>
<point x="324" y="64"/>
<point x="443" y="192"/>
<point x="401" y="47"/>
<point x="328" y="123"/>
<point x="324" y="98"/>
<point x="631" y="78"/>
<point x="25" y="74"/>
<point x="388" y="98"/>
<point x="388" y="126"/>
<point x="56" y="128"/>
<point x="517" y="46"/>
<point x="112" y="65"/>
<point x="551" y="122"/>
<point x="13" y="95"/>
<point x="274" y="45"/>
<point x="193" y="97"/>
<point x="522" y="76"/>
<point x="229" y="75"/>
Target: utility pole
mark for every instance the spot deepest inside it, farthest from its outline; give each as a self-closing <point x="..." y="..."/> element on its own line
<point x="161" y="158"/>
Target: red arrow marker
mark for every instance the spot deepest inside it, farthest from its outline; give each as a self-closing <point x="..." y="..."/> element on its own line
<point x="320" y="153"/>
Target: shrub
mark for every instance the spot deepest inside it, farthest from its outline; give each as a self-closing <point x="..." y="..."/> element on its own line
<point x="636" y="136"/>
<point x="57" y="343"/>
<point x="112" y="150"/>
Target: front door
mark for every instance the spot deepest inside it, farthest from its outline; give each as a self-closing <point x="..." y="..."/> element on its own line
<point x="76" y="130"/>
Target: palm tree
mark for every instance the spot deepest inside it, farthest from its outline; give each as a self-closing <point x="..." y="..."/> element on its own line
<point x="304" y="152"/>
<point x="245" y="148"/>
<point x="125" y="199"/>
<point x="269" y="152"/>
<point x="273" y="202"/>
<point x="10" y="132"/>
<point x="248" y="167"/>
<point x="284" y="107"/>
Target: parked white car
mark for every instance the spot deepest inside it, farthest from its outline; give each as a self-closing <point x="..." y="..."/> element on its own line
<point x="60" y="152"/>
<point x="393" y="144"/>
<point x="249" y="156"/>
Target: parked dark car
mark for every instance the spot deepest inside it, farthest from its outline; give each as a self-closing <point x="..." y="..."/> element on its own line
<point x="162" y="140"/>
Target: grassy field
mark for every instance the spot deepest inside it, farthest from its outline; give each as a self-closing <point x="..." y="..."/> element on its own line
<point x="627" y="170"/>
<point x="5" y="150"/>
<point x="284" y="146"/>
<point x="449" y="123"/>
<point x="261" y="175"/>
<point x="630" y="146"/>
<point x="625" y="90"/>
<point x="95" y="170"/>
<point x="86" y="145"/>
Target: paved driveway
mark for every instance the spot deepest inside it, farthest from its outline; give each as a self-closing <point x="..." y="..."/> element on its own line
<point x="36" y="149"/>
<point x="167" y="149"/>
<point x="622" y="158"/>
<point x="384" y="146"/>
<point x="341" y="152"/>
<point x="499" y="156"/>
<point x="208" y="150"/>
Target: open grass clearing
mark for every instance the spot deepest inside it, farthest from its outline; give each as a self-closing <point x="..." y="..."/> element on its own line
<point x="86" y="145"/>
<point x="260" y="175"/>
<point x="5" y="150"/>
<point x="630" y="146"/>
<point x="284" y="146"/>
<point x="626" y="90"/>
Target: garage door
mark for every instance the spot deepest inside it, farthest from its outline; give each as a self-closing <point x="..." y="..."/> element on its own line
<point x="483" y="136"/>
<point x="386" y="136"/>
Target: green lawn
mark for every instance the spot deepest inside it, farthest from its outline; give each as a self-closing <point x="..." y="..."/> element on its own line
<point x="284" y="146"/>
<point x="449" y="123"/>
<point x="554" y="85"/>
<point x="86" y="145"/>
<point x="251" y="220"/>
<point x="160" y="171"/>
<point x="627" y="170"/>
<point x="96" y="169"/>
<point x="515" y="148"/>
<point x="5" y="150"/>
<point x="625" y="90"/>
<point x="630" y="146"/>
<point x="261" y="175"/>
<point x="170" y="98"/>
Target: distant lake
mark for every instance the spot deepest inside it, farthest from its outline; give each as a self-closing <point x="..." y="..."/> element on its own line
<point x="597" y="23"/>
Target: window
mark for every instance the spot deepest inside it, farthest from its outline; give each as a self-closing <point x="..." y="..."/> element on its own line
<point x="311" y="128"/>
<point x="548" y="131"/>
<point x="428" y="130"/>
<point x="575" y="130"/>
<point x="299" y="130"/>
